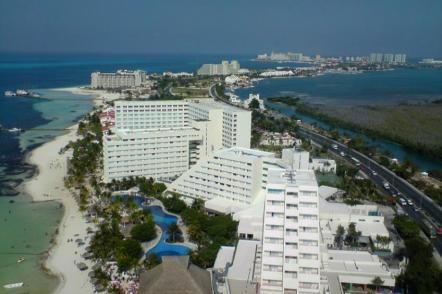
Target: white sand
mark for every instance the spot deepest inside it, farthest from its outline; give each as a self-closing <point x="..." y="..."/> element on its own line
<point x="49" y="185"/>
<point x="100" y="95"/>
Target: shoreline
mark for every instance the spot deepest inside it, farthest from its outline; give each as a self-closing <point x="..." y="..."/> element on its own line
<point x="47" y="184"/>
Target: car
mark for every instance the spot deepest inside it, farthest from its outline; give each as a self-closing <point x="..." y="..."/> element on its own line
<point x="334" y="146"/>
<point x="409" y="202"/>
<point x="439" y="231"/>
<point x="386" y="185"/>
<point x="342" y="154"/>
<point x="374" y="173"/>
<point x="403" y="202"/>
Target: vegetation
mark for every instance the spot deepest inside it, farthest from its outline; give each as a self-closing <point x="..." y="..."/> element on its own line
<point x="208" y="232"/>
<point x="422" y="274"/>
<point x="128" y="253"/>
<point x="144" y="232"/>
<point x="417" y="127"/>
<point x="175" y="233"/>
<point x="254" y="104"/>
<point x="287" y="100"/>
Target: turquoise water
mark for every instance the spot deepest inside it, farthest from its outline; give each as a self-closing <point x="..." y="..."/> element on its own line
<point x="387" y="87"/>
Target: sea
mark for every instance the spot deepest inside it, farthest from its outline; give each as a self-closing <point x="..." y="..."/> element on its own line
<point x="27" y="228"/>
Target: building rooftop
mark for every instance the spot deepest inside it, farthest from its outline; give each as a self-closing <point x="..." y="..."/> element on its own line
<point x="298" y="177"/>
<point x="175" y="275"/>
<point x="252" y="153"/>
<point x="220" y="105"/>
<point x="244" y="261"/>
<point x="224" y="256"/>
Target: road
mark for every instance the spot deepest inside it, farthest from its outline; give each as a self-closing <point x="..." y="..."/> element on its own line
<point x="379" y="175"/>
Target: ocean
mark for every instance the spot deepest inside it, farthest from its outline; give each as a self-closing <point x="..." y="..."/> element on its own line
<point x="26" y="228"/>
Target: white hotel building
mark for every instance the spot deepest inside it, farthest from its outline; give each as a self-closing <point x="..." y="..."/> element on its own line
<point x="163" y="139"/>
<point x="119" y="79"/>
<point x="290" y="244"/>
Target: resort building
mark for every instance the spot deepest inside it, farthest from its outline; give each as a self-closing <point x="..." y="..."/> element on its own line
<point x="163" y="139"/>
<point x="223" y="69"/>
<point x="299" y="159"/>
<point x="290" y="244"/>
<point x="228" y="181"/>
<point x="119" y="79"/>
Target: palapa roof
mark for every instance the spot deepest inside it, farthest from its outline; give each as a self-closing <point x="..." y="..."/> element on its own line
<point x="175" y="275"/>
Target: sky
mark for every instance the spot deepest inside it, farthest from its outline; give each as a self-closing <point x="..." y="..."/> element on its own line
<point x="326" y="27"/>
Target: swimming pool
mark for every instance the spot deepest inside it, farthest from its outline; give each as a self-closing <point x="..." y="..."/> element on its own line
<point x="163" y="220"/>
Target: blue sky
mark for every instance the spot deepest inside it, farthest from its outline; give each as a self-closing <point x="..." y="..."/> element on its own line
<point x="327" y="27"/>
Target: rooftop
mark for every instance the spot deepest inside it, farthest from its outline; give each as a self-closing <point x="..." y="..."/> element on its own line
<point x="175" y="275"/>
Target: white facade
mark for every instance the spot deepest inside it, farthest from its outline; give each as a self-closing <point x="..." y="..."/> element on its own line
<point x="120" y="79"/>
<point x="162" y="139"/>
<point x="299" y="159"/>
<point x="290" y="250"/>
<point x="234" y="175"/>
<point x="225" y="68"/>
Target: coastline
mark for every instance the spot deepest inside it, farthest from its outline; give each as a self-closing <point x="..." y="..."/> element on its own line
<point x="48" y="185"/>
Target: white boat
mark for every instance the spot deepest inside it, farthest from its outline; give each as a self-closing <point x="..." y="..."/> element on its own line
<point x="14" y="285"/>
<point x="9" y="94"/>
<point x="21" y="92"/>
<point x="20" y="260"/>
<point x="15" y="130"/>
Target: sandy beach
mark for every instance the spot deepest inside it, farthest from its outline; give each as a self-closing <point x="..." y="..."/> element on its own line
<point x="48" y="185"/>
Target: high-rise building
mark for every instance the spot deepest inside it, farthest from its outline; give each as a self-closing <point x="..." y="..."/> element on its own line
<point x="163" y="139"/>
<point x="388" y="58"/>
<point x="290" y="243"/>
<point x="400" y="58"/>
<point x="223" y="69"/>
<point x="119" y="79"/>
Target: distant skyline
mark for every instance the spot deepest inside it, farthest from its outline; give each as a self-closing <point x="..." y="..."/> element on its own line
<point x="340" y="27"/>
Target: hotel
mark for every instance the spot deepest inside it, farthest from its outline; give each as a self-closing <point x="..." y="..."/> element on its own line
<point x="163" y="139"/>
<point x="119" y="79"/>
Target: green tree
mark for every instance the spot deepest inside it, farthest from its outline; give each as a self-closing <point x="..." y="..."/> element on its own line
<point x="377" y="282"/>
<point x="174" y="232"/>
<point x="340" y="231"/>
<point x="352" y="234"/>
<point x="144" y="232"/>
<point x="128" y="253"/>
<point x="254" y="104"/>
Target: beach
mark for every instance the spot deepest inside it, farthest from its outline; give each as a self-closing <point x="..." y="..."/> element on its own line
<point x="48" y="185"/>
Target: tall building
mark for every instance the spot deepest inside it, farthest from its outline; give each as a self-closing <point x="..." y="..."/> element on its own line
<point x="400" y="58"/>
<point x="119" y="79"/>
<point x="290" y="246"/>
<point x="225" y="68"/>
<point x="388" y="58"/>
<point x="376" y="58"/>
<point x="163" y="139"/>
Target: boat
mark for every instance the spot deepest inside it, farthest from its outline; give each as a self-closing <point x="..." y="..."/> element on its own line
<point x="15" y="130"/>
<point x="9" y="93"/>
<point x="21" y="259"/>
<point x="14" y="285"/>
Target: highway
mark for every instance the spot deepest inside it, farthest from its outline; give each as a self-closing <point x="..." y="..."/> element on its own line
<point x="380" y="175"/>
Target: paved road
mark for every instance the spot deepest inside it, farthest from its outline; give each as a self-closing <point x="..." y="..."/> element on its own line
<point x="380" y="175"/>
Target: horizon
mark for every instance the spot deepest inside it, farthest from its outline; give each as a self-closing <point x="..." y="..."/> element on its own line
<point x="340" y="28"/>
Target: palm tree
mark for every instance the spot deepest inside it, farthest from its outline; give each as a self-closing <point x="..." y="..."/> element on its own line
<point x="174" y="231"/>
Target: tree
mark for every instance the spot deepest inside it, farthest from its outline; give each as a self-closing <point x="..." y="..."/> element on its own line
<point x="128" y="253"/>
<point x="144" y="232"/>
<point x="377" y="281"/>
<point x="352" y="234"/>
<point x="174" y="232"/>
<point x="254" y="104"/>
<point x="340" y="231"/>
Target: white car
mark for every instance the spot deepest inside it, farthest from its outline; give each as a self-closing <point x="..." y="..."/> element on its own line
<point x="342" y="154"/>
<point x="403" y="202"/>
<point x="374" y="173"/>
<point x="334" y="146"/>
<point x="409" y="202"/>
